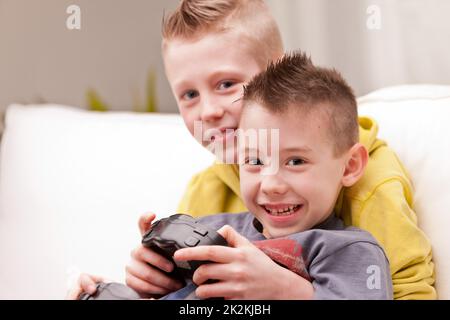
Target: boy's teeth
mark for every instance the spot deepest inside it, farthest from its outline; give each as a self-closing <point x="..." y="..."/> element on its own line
<point x="285" y="211"/>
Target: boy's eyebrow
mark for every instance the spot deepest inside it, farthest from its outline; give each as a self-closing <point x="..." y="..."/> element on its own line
<point x="180" y="85"/>
<point x="304" y="149"/>
<point x="226" y="73"/>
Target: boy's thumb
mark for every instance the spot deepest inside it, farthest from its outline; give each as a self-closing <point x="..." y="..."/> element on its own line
<point x="145" y="222"/>
<point x="233" y="238"/>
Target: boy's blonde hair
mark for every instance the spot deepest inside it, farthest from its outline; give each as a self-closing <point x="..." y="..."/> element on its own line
<point x="251" y="19"/>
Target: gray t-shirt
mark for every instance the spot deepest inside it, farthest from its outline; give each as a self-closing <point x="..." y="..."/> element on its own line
<point x="341" y="262"/>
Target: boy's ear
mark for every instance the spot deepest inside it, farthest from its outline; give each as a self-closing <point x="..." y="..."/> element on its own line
<point x="357" y="158"/>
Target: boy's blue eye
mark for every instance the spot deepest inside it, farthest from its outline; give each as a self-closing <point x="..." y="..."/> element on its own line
<point x="254" y="162"/>
<point x="296" y="162"/>
<point x="189" y="95"/>
<point x="225" y="85"/>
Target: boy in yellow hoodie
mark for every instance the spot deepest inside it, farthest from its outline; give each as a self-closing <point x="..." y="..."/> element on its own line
<point x="211" y="48"/>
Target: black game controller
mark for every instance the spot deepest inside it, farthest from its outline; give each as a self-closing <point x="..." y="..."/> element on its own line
<point x="165" y="237"/>
<point x="176" y="232"/>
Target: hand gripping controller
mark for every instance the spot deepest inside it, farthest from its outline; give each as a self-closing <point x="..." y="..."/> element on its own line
<point x="180" y="231"/>
<point x="165" y="237"/>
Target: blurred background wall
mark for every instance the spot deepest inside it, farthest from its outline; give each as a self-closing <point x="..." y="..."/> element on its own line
<point x="373" y="43"/>
<point x="117" y="45"/>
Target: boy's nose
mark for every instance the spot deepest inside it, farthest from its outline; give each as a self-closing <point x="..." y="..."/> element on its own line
<point x="211" y="111"/>
<point x="273" y="185"/>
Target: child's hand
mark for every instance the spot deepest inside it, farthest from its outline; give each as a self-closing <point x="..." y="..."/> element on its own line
<point x="143" y="272"/>
<point x="85" y="283"/>
<point x="243" y="271"/>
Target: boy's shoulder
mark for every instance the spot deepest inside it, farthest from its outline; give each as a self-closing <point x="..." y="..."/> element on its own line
<point x="323" y="240"/>
<point x="333" y="237"/>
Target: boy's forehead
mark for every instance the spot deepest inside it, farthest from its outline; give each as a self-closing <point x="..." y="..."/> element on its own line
<point x="296" y="127"/>
<point x="300" y="116"/>
<point x="211" y="41"/>
<point x="226" y="46"/>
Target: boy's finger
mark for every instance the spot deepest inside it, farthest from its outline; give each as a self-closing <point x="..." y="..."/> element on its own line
<point x="215" y="271"/>
<point x="74" y="293"/>
<point x="219" y="254"/>
<point x="233" y="238"/>
<point x="144" y="254"/>
<point x="152" y="276"/>
<point x="216" y="290"/>
<point x="88" y="283"/>
<point x="145" y="222"/>
<point x="144" y="288"/>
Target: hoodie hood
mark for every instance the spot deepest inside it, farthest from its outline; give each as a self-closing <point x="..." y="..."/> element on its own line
<point x="368" y="131"/>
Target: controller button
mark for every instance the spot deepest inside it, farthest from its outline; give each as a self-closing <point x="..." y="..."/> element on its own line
<point x="201" y="231"/>
<point x="191" y="241"/>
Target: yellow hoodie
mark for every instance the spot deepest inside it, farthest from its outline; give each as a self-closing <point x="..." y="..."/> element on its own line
<point x="381" y="202"/>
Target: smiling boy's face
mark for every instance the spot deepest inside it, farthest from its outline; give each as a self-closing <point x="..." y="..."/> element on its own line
<point x="303" y="192"/>
<point x="207" y="76"/>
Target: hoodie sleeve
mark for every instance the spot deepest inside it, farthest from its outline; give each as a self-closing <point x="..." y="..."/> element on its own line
<point x="382" y="204"/>
<point x="388" y="216"/>
<point x="357" y="271"/>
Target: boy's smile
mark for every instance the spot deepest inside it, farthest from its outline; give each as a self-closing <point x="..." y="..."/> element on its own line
<point x="207" y="76"/>
<point x="303" y="192"/>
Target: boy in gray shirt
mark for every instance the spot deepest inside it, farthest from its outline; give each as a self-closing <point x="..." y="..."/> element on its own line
<point x="290" y="182"/>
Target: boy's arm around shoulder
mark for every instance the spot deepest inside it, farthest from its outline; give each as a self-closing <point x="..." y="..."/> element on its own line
<point x="382" y="204"/>
<point x="358" y="270"/>
<point x="389" y="217"/>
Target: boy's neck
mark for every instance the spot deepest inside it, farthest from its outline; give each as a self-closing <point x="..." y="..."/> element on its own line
<point x="321" y="225"/>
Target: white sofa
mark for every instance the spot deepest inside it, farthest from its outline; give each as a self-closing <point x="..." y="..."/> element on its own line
<point x="73" y="183"/>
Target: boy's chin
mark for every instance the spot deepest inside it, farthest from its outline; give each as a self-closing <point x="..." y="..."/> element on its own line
<point x="272" y="233"/>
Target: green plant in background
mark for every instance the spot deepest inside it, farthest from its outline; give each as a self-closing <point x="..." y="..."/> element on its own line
<point x="151" y="92"/>
<point x="95" y="103"/>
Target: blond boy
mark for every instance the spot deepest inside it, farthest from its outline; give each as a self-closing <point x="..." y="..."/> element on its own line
<point x="211" y="48"/>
